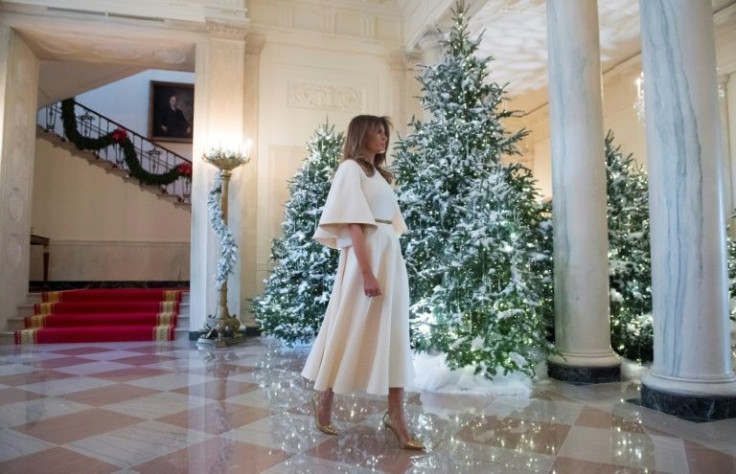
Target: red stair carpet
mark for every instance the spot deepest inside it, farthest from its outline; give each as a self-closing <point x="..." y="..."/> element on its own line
<point x="102" y="316"/>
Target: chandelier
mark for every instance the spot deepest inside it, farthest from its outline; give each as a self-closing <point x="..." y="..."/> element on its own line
<point x="639" y="100"/>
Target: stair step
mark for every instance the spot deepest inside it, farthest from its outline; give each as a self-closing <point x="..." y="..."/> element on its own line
<point x="116" y="301"/>
<point x="7" y="338"/>
<point x="24" y="310"/>
<point x="93" y="334"/>
<point x="33" y="298"/>
<point x="16" y="324"/>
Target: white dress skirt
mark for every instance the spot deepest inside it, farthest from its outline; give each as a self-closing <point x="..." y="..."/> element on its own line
<point x="363" y="344"/>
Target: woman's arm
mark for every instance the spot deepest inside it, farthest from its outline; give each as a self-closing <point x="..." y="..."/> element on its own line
<point x="370" y="282"/>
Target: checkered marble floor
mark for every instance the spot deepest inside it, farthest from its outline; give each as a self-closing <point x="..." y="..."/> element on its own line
<point x="173" y="408"/>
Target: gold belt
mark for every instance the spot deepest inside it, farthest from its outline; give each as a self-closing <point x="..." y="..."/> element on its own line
<point x="384" y="221"/>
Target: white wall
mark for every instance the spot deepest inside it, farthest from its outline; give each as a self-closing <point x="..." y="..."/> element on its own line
<point x="101" y="226"/>
<point x="300" y="88"/>
<point x="619" y="116"/>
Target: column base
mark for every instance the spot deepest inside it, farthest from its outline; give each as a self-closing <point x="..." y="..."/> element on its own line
<point x="690" y="407"/>
<point x="584" y="375"/>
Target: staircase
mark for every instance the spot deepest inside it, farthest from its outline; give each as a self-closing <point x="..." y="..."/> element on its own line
<point x="153" y="161"/>
<point x="97" y="139"/>
<point x="117" y="311"/>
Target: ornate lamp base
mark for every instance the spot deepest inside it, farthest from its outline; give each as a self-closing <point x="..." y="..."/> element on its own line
<point x="220" y="332"/>
<point x="222" y="329"/>
<point x="218" y="343"/>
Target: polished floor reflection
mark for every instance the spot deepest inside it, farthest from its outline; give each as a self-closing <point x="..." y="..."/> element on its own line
<point x="173" y="408"/>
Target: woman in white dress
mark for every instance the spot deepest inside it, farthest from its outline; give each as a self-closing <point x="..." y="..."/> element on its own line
<point x="363" y="344"/>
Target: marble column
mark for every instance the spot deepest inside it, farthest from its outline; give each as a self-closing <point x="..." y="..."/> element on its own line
<point x="18" y="94"/>
<point x="692" y="375"/>
<point x="219" y="121"/>
<point x="582" y="326"/>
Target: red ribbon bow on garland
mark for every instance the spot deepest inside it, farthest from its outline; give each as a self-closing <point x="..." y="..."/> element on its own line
<point x="119" y="135"/>
<point x="185" y="169"/>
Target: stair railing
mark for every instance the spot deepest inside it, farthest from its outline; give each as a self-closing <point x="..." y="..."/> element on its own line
<point x="153" y="157"/>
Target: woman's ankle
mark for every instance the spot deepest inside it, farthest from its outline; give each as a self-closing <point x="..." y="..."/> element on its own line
<point x="324" y="404"/>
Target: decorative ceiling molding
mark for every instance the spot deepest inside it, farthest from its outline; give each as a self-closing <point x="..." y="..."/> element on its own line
<point x="163" y="33"/>
<point x="227" y="29"/>
<point x="158" y="10"/>
<point x="378" y="21"/>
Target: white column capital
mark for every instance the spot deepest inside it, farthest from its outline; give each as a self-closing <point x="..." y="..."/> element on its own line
<point x="403" y="61"/>
<point x="430" y="43"/>
<point x="254" y="44"/>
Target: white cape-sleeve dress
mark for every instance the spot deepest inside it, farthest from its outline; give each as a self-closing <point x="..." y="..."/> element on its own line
<point x="363" y="344"/>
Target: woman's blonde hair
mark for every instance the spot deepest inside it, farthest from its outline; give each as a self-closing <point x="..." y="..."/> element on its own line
<point x="354" y="148"/>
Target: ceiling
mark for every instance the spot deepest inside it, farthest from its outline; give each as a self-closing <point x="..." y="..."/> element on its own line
<point x="514" y="33"/>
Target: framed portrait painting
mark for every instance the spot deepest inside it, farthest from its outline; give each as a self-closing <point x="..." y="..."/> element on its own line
<point x="171" y="112"/>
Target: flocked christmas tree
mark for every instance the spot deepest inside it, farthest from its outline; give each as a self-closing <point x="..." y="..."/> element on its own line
<point x="479" y="247"/>
<point x="629" y="256"/>
<point x="293" y="303"/>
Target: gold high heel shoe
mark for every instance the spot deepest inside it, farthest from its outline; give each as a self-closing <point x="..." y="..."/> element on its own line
<point x="412" y="444"/>
<point x="326" y="429"/>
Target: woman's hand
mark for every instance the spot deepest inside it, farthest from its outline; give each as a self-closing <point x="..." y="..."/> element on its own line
<point x="370" y="286"/>
<point x="370" y="282"/>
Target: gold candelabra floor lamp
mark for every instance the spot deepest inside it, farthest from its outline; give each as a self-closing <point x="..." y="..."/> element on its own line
<point x="222" y="329"/>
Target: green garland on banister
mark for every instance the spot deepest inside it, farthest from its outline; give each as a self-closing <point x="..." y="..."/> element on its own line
<point x="119" y="137"/>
